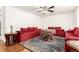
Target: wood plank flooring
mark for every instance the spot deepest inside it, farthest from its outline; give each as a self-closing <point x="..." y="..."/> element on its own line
<point x="12" y="48"/>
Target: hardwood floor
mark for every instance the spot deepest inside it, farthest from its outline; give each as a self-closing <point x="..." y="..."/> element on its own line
<point x="12" y="48"/>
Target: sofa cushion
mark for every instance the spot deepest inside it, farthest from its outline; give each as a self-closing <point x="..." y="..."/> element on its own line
<point x="70" y="36"/>
<point x="58" y="28"/>
<point x="74" y="29"/>
<point x="32" y="28"/>
<point x="54" y="27"/>
<point x="60" y="32"/>
<point x="76" y="32"/>
<point x="24" y="30"/>
<point x="50" y="27"/>
<point x="30" y="34"/>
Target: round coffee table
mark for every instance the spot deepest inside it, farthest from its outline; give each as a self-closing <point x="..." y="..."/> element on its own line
<point x="73" y="45"/>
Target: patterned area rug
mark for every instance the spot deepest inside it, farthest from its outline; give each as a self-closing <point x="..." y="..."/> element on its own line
<point x="37" y="45"/>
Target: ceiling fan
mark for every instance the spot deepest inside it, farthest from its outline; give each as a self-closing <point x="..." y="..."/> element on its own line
<point x="45" y="9"/>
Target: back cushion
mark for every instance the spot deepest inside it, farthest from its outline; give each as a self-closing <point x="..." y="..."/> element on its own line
<point x="58" y="28"/>
<point x="60" y="32"/>
<point x="74" y="29"/>
<point x="54" y="27"/>
<point x="24" y="30"/>
<point x="76" y="32"/>
<point x="50" y="27"/>
<point x="32" y="28"/>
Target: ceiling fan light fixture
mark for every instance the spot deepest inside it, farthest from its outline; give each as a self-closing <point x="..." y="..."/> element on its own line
<point x="45" y="10"/>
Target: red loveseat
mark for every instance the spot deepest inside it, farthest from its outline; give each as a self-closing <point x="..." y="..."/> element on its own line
<point x="71" y="35"/>
<point x="59" y="32"/>
<point x="27" y="33"/>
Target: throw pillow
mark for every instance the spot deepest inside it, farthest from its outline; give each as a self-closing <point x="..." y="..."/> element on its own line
<point x="76" y="32"/>
<point x="74" y="29"/>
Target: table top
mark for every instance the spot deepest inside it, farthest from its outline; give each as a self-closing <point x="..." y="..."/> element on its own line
<point x="73" y="44"/>
<point x="11" y="33"/>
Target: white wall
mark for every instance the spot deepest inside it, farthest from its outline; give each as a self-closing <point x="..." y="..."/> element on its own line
<point x="18" y="18"/>
<point x="65" y="20"/>
<point x="77" y="16"/>
<point x="2" y="19"/>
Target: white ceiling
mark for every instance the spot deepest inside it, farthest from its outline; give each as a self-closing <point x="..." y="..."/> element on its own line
<point x="56" y="9"/>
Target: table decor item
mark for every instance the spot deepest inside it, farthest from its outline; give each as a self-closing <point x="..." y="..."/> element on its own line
<point x="46" y="35"/>
<point x="11" y="29"/>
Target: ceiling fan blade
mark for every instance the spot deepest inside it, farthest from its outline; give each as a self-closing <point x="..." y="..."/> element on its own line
<point x="39" y="10"/>
<point x="41" y="7"/>
<point x="51" y="7"/>
<point x="50" y="11"/>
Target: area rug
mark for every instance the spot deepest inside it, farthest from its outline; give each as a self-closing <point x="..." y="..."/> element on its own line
<point x="37" y="45"/>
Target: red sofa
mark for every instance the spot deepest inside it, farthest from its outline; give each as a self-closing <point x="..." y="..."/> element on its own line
<point x="59" y="32"/>
<point x="71" y="35"/>
<point x="27" y="33"/>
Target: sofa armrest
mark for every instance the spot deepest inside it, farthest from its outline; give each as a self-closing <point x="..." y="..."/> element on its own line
<point x="18" y="36"/>
<point x="19" y="32"/>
